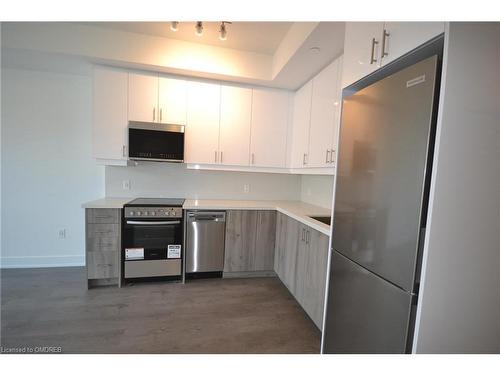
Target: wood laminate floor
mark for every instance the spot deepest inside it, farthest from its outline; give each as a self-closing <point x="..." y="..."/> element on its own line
<point x="51" y="307"/>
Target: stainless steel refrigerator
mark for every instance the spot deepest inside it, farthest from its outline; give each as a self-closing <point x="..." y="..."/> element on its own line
<point x="383" y="172"/>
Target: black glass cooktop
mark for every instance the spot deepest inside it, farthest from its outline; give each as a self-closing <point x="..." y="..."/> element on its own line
<point x="157" y="202"/>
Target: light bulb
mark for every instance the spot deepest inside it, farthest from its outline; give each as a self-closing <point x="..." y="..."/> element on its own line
<point x="174" y="26"/>
<point x="199" y="28"/>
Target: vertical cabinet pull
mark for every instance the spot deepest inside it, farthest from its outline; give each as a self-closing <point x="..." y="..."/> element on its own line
<point x="327" y="159"/>
<point x="372" y="58"/>
<point x="221" y="156"/>
<point x="215" y="156"/>
<point x="154" y="113"/>
<point x="253" y="158"/>
<point x="308" y="237"/>
<point x="160" y="113"/>
<point x="384" y="38"/>
<point x="124" y="151"/>
<point x="304" y="159"/>
<point x="332" y="152"/>
<point x="303" y="234"/>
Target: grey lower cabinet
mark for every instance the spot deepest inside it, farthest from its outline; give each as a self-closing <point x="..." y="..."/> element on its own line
<point x="250" y="242"/>
<point x="300" y="262"/>
<point x="103" y="246"/>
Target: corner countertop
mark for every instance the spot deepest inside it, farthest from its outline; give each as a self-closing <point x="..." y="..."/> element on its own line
<point x="297" y="210"/>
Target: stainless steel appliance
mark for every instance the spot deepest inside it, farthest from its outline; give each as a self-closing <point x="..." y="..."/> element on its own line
<point x="206" y="232"/>
<point x="383" y="175"/>
<point x="152" y="238"/>
<point x="155" y="142"/>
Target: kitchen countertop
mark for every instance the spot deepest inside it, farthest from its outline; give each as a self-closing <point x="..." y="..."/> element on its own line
<point x="297" y="210"/>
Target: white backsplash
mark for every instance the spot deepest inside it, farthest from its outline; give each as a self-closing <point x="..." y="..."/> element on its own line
<point x="176" y="181"/>
<point x="317" y="190"/>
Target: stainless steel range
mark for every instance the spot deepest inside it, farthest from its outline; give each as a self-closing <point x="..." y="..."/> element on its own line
<point x="152" y="241"/>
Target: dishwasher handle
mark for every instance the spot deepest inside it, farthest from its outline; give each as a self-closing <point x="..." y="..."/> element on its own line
<point x="206" y="216"/>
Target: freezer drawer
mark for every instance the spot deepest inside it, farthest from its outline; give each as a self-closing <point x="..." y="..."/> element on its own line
<point x="365" y="313"/>
<point x="206" y="231"/>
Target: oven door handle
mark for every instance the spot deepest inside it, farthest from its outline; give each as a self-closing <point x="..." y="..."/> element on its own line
<point x="134" y="222"/>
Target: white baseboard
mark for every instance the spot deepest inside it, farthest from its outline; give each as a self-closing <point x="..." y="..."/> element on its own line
<point x="42" y="261"/>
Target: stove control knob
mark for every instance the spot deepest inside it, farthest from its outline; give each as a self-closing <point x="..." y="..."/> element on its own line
<point x="138" y="213"/>
<point x="153" y="213"/>
<point x="146" y="213"/>
<point x="167" y="213"/>
<point x="131" y="213"/>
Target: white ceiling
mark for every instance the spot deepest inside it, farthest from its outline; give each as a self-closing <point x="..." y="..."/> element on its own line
<point x="262" y="37"/>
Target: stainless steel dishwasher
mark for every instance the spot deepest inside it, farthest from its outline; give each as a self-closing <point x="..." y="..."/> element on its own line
<point x="206" y="231"/>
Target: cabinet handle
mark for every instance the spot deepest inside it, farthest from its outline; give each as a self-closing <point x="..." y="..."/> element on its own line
<point x="384" y="37"/>
<point x="304" y="159"/>
<point x="253" y="158"/>
<point x="221" y="156"/>
<point x="154" y="113"/>
<point x="327" y="159"/>
<point x="332" y="152"/>
<point x="308" y="236"/>
<point x="303" y="234"/>
<point x="124" y="151"/>
<point x="161" y="113"/>
<point x="372" y="59"/>
<point x="215" y="157"/>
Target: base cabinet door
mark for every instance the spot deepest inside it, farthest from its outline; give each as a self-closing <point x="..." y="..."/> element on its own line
<point x="250" y="241"/>
<point x="103" y="246"/>
<point x="291" y="243"/>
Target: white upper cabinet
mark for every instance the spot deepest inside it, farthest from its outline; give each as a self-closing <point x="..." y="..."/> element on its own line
<point x="361" y="50"/>
<point x="300" y="126"/>
<point x="202" y="128"/>
<point x="402" y="37"/>
<point x="235" y="118"/>
<point x="143" y="97"/>
<point x="324" y="106"/>
<point x="172" y="101"/>
<point x="270" y="109"/>
<point x="370" y="45"/>
<point x="110" y="114"/>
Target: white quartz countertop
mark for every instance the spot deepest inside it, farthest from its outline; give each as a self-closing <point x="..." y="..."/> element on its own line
<point x="107" y="203"/>
<point x="297" y="210"/>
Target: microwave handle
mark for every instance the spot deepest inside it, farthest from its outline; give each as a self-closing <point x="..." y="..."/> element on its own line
<point x="134" y="222"/>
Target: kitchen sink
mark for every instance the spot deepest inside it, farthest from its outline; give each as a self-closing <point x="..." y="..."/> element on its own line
<point x="324" y="219"/>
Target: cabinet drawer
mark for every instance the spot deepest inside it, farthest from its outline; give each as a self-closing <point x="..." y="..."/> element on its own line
<point x="103" y="215"/>
<point x="150" y="268"/>
<point x="103" y="244"/>
<point x="102" y="231"/>
<point x="102" y="264"/>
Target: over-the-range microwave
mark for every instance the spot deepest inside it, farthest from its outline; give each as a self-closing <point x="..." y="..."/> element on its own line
<point x="155" y="142"/>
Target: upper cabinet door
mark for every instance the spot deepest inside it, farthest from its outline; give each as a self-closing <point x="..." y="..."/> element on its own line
<point x="202" y="129"/>
<point x="300" y="126"/>
<point x="109" y="114"/>
<point x="235" y="117"/>
<point x="143" y="97"/>
<point x="402" y="37"/>
<point x="172" y="101"/>
<point x="362" y="46"/>
<point x="269" y="128"/>
<point x="323" y="116"/>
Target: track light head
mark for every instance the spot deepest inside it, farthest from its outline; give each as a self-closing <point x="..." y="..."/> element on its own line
<point x="223" y="31"/>
<point x="174" y="25"/>
<point x="199" y="28"/>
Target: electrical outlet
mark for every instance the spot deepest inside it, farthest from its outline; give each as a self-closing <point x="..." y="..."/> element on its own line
<point x="126" y="184"/>
<point x="62" y="234"/>
<point x="246" y="188"/>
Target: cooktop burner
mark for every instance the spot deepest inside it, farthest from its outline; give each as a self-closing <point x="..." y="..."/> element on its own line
<point x="157" y="202"/>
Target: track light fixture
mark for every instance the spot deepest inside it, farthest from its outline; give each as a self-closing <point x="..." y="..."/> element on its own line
<point x="174" y="25"/>
<point x="223" y="30"/>
<point x="199" y="28"/>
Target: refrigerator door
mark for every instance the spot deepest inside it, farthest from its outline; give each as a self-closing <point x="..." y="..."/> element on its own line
<point x="384" y="142"/>
<point x="366" y="314"/>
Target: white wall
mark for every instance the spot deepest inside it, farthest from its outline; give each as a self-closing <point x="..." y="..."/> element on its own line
<point x="459" y="303"/>
<point x="47" y="168"/>
<point x="175" y="181"/>
<point x="317" y="190"/>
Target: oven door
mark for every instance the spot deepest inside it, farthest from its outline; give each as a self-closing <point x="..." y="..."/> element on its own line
<point x="150" y="239"/>
<point x="155" y="142"/>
